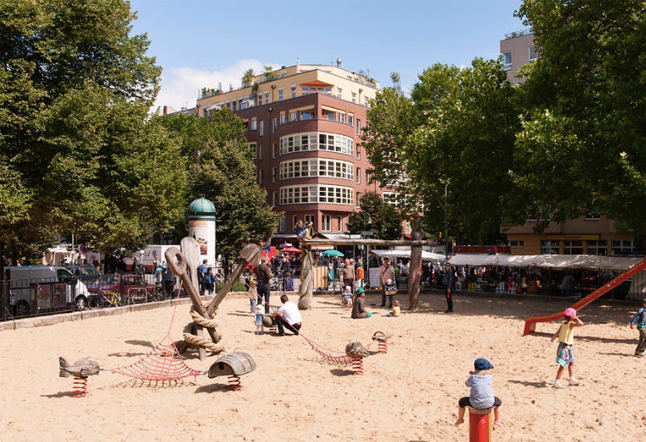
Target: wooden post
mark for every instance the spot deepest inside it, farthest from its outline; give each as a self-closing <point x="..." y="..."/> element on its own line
<point x="306" y="278"/>
<point x="415" y="267"/>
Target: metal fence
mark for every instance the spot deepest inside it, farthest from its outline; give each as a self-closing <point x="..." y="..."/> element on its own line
<point x="20" y="298"/>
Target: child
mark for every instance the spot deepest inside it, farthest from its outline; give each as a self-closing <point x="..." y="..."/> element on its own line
<point x="289" y="282"/>
<point x="481" y="396"/>
<point x="396" y="310"/>
<point x="564" y="355"/>
<point x="640" y="319"/>
<point x="303" y="230"/>
<point x="253" y="295"/>
<point x="347" y="296"/>
<point x="258" y="320"/>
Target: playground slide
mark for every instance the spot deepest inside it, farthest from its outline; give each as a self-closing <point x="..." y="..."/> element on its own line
<point x="530" y="323"/>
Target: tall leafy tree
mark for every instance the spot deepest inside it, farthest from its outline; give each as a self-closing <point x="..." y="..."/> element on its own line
<point x="75" y="88"/>
<point x="450" y="144"/>
<point x="584" y="133"/>
<point x="220" y="167"/>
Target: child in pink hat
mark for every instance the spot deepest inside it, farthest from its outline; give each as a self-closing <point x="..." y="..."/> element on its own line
<point x="564" y="355"/>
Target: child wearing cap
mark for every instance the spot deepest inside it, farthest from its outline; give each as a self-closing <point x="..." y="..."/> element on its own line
<point x="640" y="319"/>
<point x="481" y="396"/>
<point x="564" y="355"/>
<point x="347" y="296"/>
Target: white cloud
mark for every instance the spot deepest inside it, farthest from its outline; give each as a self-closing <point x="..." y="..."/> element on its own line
<point x="180" y="86"/>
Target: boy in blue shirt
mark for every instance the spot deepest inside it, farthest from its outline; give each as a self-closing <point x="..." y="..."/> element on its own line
<point x="640" y="319"/>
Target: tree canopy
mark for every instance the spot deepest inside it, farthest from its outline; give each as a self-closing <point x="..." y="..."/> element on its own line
<point x="377" y="216"/>
<point x="455" y="134"/>
<point x="220" y="167"/>
<point x="581" y="148"/>
<point x="75" y="89"/>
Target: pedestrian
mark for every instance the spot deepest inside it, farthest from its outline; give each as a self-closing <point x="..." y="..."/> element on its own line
<point x="396" y="310"/>
<point x="358" y="309"/>
<point x="640" y="320"/>
<point x="347" y="274"/>
<point x="259" y="316"/>
<point x="253" y="294"/>
<point x="564" y="355"/>
<point x="360" y="274"/>
<point x="447" y="282"/>
<point x="386" y="273"/>
<point x="169" y="281"/>
<point x="288" y="316"/>
<point x="481" y="396"/>
<point x="263" y="275"/>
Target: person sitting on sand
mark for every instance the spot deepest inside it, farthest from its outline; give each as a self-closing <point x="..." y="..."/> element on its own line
<point x="396" y="310"/>
<point x="288" y="316"/>
<point x="358" y="309"/>
<point x="481" y="396"/>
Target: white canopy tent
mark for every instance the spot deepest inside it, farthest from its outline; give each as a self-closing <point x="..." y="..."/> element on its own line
<point x="405" y="253"/>
<point x="589" y="262"/>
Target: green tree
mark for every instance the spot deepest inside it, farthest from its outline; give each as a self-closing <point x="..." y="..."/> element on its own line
<point x="248" y="78"/>
<point x="583" y="136"/>
<point x="74" y="93"/>
<point x="220" y="167"/>
<point x="455" y="135"/>
<point x="376" y="215"/>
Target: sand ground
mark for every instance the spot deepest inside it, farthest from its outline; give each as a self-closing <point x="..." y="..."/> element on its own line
<point x="408" y="394"/>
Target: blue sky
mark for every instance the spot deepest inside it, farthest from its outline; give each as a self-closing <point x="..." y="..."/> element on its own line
<point x="199" y="43"/>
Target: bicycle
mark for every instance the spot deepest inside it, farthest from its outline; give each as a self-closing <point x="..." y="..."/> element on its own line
<point x="138" y="294"/>
<point x="104" y="298"/>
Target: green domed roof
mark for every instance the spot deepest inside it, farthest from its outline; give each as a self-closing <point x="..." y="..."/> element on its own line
<point x="201" y="206"/>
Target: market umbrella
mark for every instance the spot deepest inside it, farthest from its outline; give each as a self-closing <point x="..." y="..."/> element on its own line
<point x="332" y="252"/>
<point x="291" y="250"/>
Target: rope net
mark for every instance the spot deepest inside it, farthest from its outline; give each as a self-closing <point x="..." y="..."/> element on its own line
<point x="163" y="363"/>
<point x="337" y="357"/>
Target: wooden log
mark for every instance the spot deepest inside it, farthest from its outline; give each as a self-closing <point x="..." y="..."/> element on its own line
<point x="415" y="269"/>
<point x="305" y="288"/>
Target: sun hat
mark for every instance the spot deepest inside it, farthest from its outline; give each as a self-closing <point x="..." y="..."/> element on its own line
<point x="482" y="364"/>
<point x="360" y="291"/>
<point x="569" y="312"/>
<point x="347" y="288"/>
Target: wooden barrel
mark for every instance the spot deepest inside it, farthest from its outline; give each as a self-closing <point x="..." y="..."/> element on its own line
<point x="233" y="364"/>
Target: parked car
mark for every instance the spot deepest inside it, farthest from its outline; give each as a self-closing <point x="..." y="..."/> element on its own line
<point x="117" y="289"/>
<point x="85" y="273"/>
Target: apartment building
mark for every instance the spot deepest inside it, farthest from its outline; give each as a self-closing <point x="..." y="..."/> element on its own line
<point x="304" y="125"/>
<point x="589" y="235"/>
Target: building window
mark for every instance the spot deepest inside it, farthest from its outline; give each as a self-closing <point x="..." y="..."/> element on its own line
<point x="358" y="151"/>
<point x="367" y="176"/>
<point x="293" y="92"/>
<point x="549" y="247"/>
<point x="316" y="194"/>
<point x="292" y="116"/>
<point x="354" y="97"/>
<point x="274" y="199"/>
<point x="622" y="246"/>
<point x="295" y="221"/>
<point x="282" y="224"/>
<point x="273" y="175"/>
<point x="358" y="175"/>
<point x="283" y="118"/>
<point x="317" y="140"/>
<point x="234" y="105"/>
<point x="252" y="149"/>
<point x="389" y="198"/>
<point x="516" y="244"/>
<point x="592" y="216"/>
<point x="366" y="100"/>
<point x="274" y="125"/>
<point x="309" y="219"/>
<point x="317" y="167"/>
<point x="340" y="220"/>
<point x="262" y="128"/>
<point x="254" y="124"/>
<point x="533" y="53"/>
<point x="506" y="60"/>
<point x="351" y="119"/>
<point x="338" y="92"/>
<point x="274" y="150"/>
<point x="358" y="200"/>
<point x="358" y="127"/>
<point x="326" y="221"/>
<point x="280" y="95"/>
<point x="260" y="153"/>
<point x="267" y="98"/>
<point x="599" y="247"/>
<point x="573" y="247"/>
<point x="261" y="178"/>
<point x="341" y="118"/>
<point x="259" y="99"/>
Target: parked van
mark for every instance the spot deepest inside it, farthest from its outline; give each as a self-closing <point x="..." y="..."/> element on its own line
<point x="24" y="281"/>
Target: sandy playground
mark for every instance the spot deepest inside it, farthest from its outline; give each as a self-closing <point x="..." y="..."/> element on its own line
<point x="408" y="394"/>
